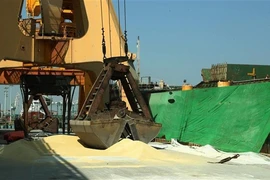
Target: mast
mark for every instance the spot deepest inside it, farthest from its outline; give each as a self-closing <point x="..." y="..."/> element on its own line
<point x="138" y="58"/>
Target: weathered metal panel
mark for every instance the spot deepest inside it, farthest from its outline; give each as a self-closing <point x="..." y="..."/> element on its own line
<point x="206" y="75"/>
<point x="219" y="72"/>
<point x="51" y="14"/>
<point x="239" y="72"/>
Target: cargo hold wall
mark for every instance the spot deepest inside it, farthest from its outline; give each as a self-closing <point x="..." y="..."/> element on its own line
<point x="234" y="118"/>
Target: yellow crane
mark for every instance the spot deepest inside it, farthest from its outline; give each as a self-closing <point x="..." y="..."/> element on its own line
<point x="71" y="34"/>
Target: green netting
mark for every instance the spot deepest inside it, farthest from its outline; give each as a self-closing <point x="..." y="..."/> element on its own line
<point x="234" y="118"/>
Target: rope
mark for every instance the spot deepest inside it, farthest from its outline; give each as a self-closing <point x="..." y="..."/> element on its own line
<point x="103" y="36"/>
<point x="125" y="14"/>
<point x="110" y="31"/>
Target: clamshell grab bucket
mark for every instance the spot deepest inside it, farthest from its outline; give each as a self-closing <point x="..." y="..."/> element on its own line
<point x="99" y="134"/>
<point x="103" y="128"/>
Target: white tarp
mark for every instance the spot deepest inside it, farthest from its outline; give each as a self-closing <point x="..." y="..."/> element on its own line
<point x="210" y="152"/>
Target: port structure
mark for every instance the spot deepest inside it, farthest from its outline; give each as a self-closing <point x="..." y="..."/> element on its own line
<point x="67" y="34"/>
<point x="38" y="81"/>
<point x="40" y="39"/>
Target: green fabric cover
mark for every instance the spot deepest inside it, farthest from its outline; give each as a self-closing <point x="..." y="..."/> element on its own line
<point x="232" y="119"/>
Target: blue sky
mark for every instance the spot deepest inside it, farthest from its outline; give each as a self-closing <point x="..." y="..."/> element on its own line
<point x="178" y="38"/>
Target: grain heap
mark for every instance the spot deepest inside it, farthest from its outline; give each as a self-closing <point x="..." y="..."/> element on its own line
<point x="135" y="149"/>
<point x="21" y="150"/>
<point x="65" y="145"/>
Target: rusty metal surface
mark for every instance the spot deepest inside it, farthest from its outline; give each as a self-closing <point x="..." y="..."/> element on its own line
<point x="139" y="97"/>
<point x="129" y="95"/>
<point x="235" y="72"/>
<point x="206" y="75"/>
<point x="45" y="122"/>
<point x="95" y="95"/>
<point x="46" y="84"/>
<point x="101" y="129"/>
<point x="52" y="127"/>
<point x="59" y="51"/>
<point x="101" y="87"/>
<point x="12" y="76"/>
<point x="99" y="134"/>
<point x="51" y="16"/>
<point x="37" y="85"/>
<point x="146" y="131"/>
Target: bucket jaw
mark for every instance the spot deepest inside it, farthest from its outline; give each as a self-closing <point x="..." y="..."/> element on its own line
<point x="144" y="131"/>
<point x="99" y="134"/>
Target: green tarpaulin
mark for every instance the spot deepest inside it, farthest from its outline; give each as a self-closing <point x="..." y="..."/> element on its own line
<point x="235" y="118"/>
